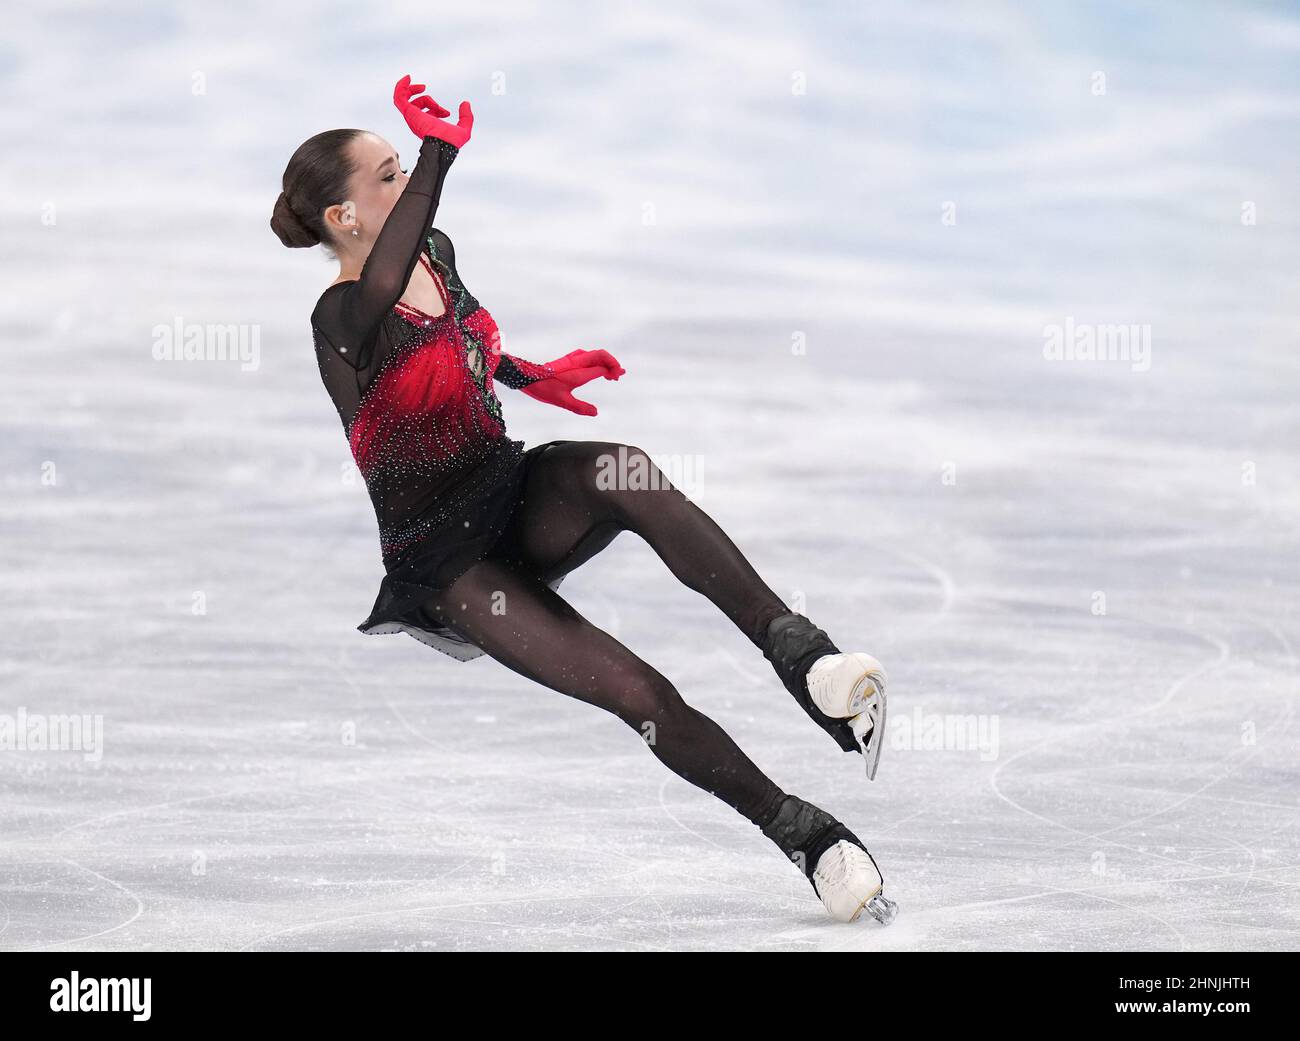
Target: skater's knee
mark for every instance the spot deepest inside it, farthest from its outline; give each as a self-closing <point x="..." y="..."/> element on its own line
<point x="600" y="472"/>
<point x="646" y="699"/>
<point x="631" y="486"/>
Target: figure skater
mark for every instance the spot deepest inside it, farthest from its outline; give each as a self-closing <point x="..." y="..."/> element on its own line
<point x="477" y="533"/>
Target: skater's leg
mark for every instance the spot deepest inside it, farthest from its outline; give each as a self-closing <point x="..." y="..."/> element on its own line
<point x="576" y="502"/>
<point x="516" y="619"/>
<point x="529" y="628"/>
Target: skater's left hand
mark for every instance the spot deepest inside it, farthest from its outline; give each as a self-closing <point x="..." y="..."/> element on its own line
<point x="423" y="114"/>
<point x="573" y="370"/>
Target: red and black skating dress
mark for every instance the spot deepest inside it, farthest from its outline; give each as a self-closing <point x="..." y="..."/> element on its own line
<point x="415" y="394"/>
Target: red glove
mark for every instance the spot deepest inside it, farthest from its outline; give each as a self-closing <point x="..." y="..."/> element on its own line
<point x="573" y="370"/>
<point x="421" y="114"/>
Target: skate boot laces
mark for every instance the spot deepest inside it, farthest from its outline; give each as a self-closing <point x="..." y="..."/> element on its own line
<point x="843" y="685"/>
<point x="848" y="882"/>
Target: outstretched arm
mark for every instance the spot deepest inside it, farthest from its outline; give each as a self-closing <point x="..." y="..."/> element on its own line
<point x="393" y="257"/>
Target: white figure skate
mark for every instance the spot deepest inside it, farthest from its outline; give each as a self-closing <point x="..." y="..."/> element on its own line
<point x="848" y="882"/>
<point x="852" y="687"/>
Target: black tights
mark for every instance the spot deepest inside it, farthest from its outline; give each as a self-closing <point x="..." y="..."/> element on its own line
<point x="574" y="504"/>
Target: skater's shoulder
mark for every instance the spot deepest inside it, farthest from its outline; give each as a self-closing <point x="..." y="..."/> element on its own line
<point x="330" y="300"/>
<point x="441" y="247"/>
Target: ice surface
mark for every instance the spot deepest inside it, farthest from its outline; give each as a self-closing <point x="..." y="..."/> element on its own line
<point x="921" y="482"/>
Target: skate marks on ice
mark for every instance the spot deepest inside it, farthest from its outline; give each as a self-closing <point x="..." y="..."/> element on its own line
<point x="474" y="812"/>
<point x="128" y="893"/>
<point x="574" y="895"/>
<point x="1142" y="809"/>
<point x="1202" y="895"/>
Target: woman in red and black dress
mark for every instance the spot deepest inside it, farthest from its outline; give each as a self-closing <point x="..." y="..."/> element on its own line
<point x="477" y="533"/>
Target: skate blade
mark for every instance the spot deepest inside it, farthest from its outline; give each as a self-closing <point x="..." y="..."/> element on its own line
<point x="878" y="906"/>
<point x="872" y="747"/>
<point x="882" y="909"/>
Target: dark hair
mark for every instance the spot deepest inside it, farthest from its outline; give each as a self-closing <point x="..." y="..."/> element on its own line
<point x="317" y="177"/>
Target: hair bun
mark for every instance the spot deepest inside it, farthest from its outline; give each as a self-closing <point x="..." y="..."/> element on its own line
<point x="289" y="228"/>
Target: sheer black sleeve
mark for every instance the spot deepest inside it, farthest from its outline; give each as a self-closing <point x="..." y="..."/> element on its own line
<point x="348" y="315"/>
<point x="517" y="373"/>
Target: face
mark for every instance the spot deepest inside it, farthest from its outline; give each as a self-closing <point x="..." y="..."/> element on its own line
<point x="375" y="186"/>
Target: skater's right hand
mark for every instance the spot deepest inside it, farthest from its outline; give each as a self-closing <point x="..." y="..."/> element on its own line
<point x="422" y="114"/>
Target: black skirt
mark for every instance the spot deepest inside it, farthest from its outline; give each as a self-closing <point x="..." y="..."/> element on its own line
<point x="478" y="528"/>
